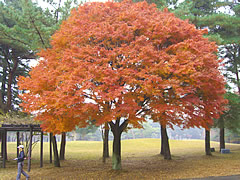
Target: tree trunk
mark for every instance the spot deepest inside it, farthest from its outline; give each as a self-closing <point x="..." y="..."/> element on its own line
<point x="63" y="146"/>
<point x="162" y="145"/>
<point x="116" y="157"/>
<point x="105" y="143"/>
<point x="222" y="139"/>
<point x="165" y="143"/>
<point x="117" y="130"/>
<point x="3" y="88"/>
<point x="10" y="81"/>
<point x="55" y="151"/>
<point x="237" y="76"/>
<point x="207" y="143"/>
<point x="50" y="148"/>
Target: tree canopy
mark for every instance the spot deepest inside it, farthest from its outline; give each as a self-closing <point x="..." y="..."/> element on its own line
<point x="112" y="60"/>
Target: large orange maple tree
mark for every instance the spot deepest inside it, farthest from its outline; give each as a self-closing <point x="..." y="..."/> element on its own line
<point x="118" y="62"/>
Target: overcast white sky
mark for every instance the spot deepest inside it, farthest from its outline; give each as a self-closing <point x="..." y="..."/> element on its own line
<point x="44" y="4"/>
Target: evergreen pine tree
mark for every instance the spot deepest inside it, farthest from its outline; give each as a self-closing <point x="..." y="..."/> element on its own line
<point x="222" y="18"/>
<point x="25" y="27"/>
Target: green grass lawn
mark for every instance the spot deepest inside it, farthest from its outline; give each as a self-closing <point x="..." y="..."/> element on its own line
<point x="140" y="160"/>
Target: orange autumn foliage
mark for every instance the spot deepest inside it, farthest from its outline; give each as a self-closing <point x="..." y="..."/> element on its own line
<point x="111" y="60"/>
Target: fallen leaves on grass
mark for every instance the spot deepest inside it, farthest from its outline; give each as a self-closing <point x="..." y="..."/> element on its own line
<point x="142" y="164"/>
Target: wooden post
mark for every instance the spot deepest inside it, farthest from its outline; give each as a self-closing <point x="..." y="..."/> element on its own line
<point x="30" y="149"/>
<point x="18" y="143"/>
<point x="5" y="143"/>
<point x="4" y="147"/>
<point x="1" y="134"/>
<point x="50" y="145"/>
<point x="41" y="150"/>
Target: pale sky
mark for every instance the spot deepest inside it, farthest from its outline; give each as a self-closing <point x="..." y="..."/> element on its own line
<point x="44" y="4"/>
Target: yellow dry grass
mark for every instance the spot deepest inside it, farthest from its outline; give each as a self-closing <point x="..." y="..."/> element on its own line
<point x="140" y="160"/>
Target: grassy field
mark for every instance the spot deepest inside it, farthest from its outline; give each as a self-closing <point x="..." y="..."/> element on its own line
<point x="140" y="160"/>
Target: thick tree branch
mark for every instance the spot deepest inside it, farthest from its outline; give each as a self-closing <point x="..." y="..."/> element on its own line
<point x="117" y="121"/>
<point x="141" y="111"/>
<point x="112" y="125"/>
<point x="124" y="125"/>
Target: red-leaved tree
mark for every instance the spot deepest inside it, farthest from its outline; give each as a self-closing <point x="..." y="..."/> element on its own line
<point x="117" y="62"/>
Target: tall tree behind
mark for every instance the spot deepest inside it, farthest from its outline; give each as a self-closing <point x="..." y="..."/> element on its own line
<point x="162" y="3"/>
<point x="230" y="119"/>
<point x="224" y="28"/>
<point x="205" y="14"/>
<point x="227" y="26"/>
<point x="12" y="51"/>
<point x="24" y="29"/>
<point x="222" y="18"/>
